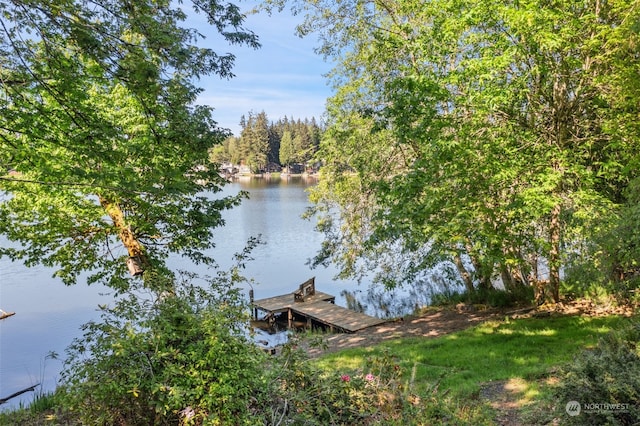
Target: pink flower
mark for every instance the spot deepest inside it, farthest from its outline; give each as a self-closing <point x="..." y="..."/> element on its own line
<point x="188" y="413"/>
<point x="369" y="377"/>
<point x="345" y="378"/>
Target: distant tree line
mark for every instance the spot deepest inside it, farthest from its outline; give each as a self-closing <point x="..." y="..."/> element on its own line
<point x="263" y="145"/>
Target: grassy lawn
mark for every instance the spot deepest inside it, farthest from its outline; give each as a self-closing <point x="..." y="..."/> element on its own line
<point x="522" y="351"/>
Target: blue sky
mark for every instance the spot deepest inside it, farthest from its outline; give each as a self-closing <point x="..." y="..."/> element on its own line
<point x="282" y="78"/>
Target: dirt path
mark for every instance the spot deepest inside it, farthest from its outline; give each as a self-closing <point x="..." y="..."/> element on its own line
<point x="441" y="321"/>
<point x="430" y="324"/>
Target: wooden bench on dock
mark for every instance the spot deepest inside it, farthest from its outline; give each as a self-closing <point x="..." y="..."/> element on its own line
<point x="312" y="306"/>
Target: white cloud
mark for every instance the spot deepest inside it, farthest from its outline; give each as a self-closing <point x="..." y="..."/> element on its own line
<point x="282" y="78"/>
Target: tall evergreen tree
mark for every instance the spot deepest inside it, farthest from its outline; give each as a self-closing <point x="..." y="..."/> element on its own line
<point x="255" y="141"/>
<point x="275" y="136"/>
<point x="287" y="149"/>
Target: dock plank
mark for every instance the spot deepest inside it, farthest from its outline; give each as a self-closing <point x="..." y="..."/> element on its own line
<point x="314" y="306"/>
<point x="284" y="302"/>
<point x="336" y="316"/>
<point x="319" y="307"/>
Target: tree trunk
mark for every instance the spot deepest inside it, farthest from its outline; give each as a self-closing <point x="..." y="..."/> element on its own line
<point x="524" y="270"/>
<point x="133" y="246"/>
<point x="507" y="278"/>
<point x="483" y="278"/>
<point x="520" y="271"/>
<point x="532" y="259"/>
<point x="554" y="253"/>
<point x="466" y="276"/>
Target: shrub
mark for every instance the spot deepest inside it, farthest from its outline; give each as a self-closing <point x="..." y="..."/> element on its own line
<point x="375" y="394"/>
<point x="607" y="374"/>
<point x="495" y="298"/>
<point x="179" y="359"/>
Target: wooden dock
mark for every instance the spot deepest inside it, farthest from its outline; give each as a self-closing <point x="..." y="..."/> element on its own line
<point x="309" y="306"/>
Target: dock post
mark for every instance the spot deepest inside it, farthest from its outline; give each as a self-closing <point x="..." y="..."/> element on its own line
<point x="255" y="310"/>
<point x="290" y="318"/>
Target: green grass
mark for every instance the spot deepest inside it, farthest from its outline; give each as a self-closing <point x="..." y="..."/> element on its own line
<point x="522" y="352"/>
<point x="45" y="409"/>
<point x="524" y="349"/>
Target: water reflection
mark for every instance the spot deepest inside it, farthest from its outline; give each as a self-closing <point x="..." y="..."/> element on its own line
<point x="49" y="314"/>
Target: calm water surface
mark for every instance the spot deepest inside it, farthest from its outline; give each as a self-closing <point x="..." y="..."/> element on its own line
<point x="49" y="314"/>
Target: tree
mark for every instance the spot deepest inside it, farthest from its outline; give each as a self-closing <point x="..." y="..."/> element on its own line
<point x="254" y="139"/>
<point x="302" y="142"/>
<point x="101" y="142"/>
<point x="484" y="133"/>
<point x="179" y="358"/>
<point x="221" y="153"/>
<point x="286" y="149"/>
<point x="305" y="137"/>
<point x="316" y="134"/>
<point x="275" y="135"/>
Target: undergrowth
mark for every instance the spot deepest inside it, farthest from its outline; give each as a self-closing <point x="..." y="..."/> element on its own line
<point x="413" y="381"/>
<point x="602" y="385"/>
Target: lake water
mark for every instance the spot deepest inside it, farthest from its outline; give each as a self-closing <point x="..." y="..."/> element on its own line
<point x="49" y="314"/>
